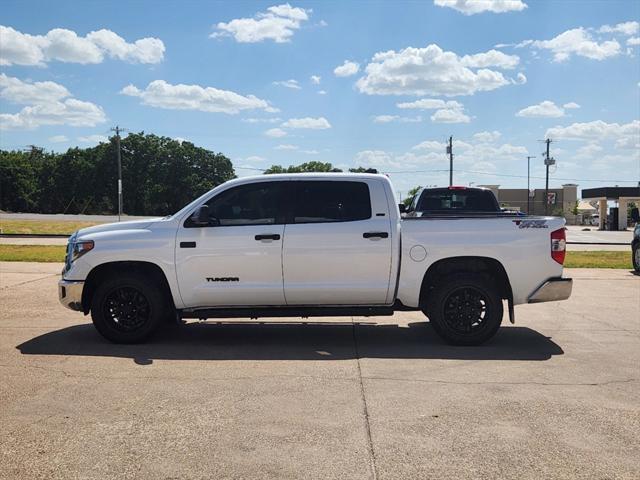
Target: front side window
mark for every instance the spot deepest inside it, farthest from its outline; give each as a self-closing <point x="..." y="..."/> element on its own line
<point x="251" y="204"/>
<point x="331" y="201"/>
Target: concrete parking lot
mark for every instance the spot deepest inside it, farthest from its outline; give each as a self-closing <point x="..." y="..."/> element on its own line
<point x="555" y="396"/>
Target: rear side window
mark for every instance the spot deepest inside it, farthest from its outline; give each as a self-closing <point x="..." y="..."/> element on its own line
<point x="457" y="200"/>
<point x="331" y="201"/>
<point x="251" y="204"/>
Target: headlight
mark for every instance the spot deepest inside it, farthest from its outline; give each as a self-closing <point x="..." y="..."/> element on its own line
<point x="80" y="248"/>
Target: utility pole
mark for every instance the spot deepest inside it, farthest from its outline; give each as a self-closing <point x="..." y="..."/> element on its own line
<point x="450" y="152"/>
<point x="117" y="129"/>
<point x="547" y="162"/>
<point x="529" y="185"/>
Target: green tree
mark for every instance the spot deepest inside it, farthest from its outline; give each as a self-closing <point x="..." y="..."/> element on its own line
<point x="410" y="194"/>
<point x="303" y="168"/>
<point x="160" y="175"/>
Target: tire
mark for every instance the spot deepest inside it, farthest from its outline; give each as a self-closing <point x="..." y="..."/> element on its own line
<point x="635" y="257"/>
<point x="127" y="308"/>
<point x="465" y="309"/>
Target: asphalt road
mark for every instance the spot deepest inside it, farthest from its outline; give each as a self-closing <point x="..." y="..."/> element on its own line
<point x="555" y="396"/>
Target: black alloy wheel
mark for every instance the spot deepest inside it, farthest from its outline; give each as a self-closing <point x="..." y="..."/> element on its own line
<point x="128" y="308"/>
<point x="465" y="308"/>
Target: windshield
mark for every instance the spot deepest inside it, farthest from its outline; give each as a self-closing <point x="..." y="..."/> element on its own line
<point x="459" y="200"/>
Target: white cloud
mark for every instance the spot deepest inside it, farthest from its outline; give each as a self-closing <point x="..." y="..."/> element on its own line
<point x="425" y="71"/>
<point x="487" y="137"/>
<point x="521" y="79"/>
<point x="161" y="94"/>
<point x="275" y="133"/>
<point x="471" y="7"/>
<point x="58" y="139"/>
<point x="310" y="152"/>
<point x="66" y="46"/>
<point x="625" y="28"/>
<point x="545" y="109"/>
<point x="278" y="23"/>
<point x="315" y="79"/>
<point x="633" y="41"/>
<point x="291" y="83"/>
<point x="570" y="105"/>
<point x="446" y="111"/>
<point x="450" y="115"/>
<point x="46" y="103"/>
<point x="396" y="118"/>
<point x="432" y="155"/>
<point x="319" y="123"/>
<point x="93" y="139"/>
<point x="347" y="69"/>
<point x="577" y="41"/>
<point x="492" y="58"/>
<point x="430" y="145"/>
<point x="322" y="92"/>
<point x="430" y="104"/>
<point x="588" y="151"/>
<point x="262" y="120"/>
<point x="626" y="136"/>
<point x="286" y="147"/>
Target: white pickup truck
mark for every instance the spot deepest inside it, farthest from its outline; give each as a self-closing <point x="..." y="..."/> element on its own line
<point x="302" y="245"/>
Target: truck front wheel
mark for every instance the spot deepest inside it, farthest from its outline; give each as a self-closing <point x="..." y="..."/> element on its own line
<point x="465" y="309"/>
<point x="127" y="308"/>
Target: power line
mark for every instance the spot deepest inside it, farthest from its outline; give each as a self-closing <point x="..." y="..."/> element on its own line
<point x="400" y="172"/>
<point x="511" y="176"/>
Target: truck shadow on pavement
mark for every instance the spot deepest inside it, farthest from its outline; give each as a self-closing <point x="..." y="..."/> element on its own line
<point x="246" y="340"/>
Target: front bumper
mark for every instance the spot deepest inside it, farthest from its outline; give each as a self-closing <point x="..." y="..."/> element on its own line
<point x="552" y="290"/>
<point x="70" y="294"/>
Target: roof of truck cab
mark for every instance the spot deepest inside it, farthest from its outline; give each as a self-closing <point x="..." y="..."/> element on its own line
<point x="314" y="175"/>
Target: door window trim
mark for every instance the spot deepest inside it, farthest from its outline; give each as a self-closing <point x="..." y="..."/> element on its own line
<point x="294" y="195"/>
<point x="280" y="219"/>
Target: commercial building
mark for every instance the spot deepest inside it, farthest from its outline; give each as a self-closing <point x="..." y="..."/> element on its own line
<point x="561" y="201"/>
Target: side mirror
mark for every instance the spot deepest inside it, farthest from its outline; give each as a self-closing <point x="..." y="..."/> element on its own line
<point x="403" y="208"/>
<point x="200" y="217"/>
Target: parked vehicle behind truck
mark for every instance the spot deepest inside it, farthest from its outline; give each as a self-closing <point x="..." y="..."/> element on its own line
<point x="312" y="245"/>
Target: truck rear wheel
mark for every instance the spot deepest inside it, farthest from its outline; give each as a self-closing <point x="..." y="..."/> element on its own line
<point x="127" y="308"/>
<point x="465" y="309"/>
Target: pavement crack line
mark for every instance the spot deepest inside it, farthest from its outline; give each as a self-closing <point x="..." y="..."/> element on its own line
<point x="365" y="409"/>
<point x="30" y="281"/>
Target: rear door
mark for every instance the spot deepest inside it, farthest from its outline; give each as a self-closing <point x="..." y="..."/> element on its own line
<point x="337" y="244"/>
<point x="237" y="259"/>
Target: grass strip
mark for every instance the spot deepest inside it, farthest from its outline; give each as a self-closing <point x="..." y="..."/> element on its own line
<point x="52" y="227"/>
<point x="599" y="259"/>
<point x="32" y="253"/>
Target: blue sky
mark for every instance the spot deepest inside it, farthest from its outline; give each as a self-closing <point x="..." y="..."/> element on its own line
<point x="379" y="84"/>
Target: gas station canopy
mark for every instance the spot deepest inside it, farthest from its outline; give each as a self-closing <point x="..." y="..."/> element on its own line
<point x="623" y="195"/>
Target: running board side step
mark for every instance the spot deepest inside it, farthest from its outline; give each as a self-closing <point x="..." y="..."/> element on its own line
<point x="303" y="312"/>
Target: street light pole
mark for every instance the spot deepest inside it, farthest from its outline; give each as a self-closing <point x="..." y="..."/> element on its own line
<point x="547" y="162"/>
<point x="529" y="185"/>
<point x="450" y="152"/>
<point x="117" y="129"/>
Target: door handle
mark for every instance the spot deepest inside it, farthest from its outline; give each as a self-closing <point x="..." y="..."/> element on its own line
<point x="187" y="244"/>
<point x="375" y="235"/>
<point x="268" y="236"/>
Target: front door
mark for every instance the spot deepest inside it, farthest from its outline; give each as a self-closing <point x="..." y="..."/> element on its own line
<point x="237" y="259"/>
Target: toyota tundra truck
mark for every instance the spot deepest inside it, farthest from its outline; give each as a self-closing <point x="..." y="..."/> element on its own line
<point x="305" y="245"/>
